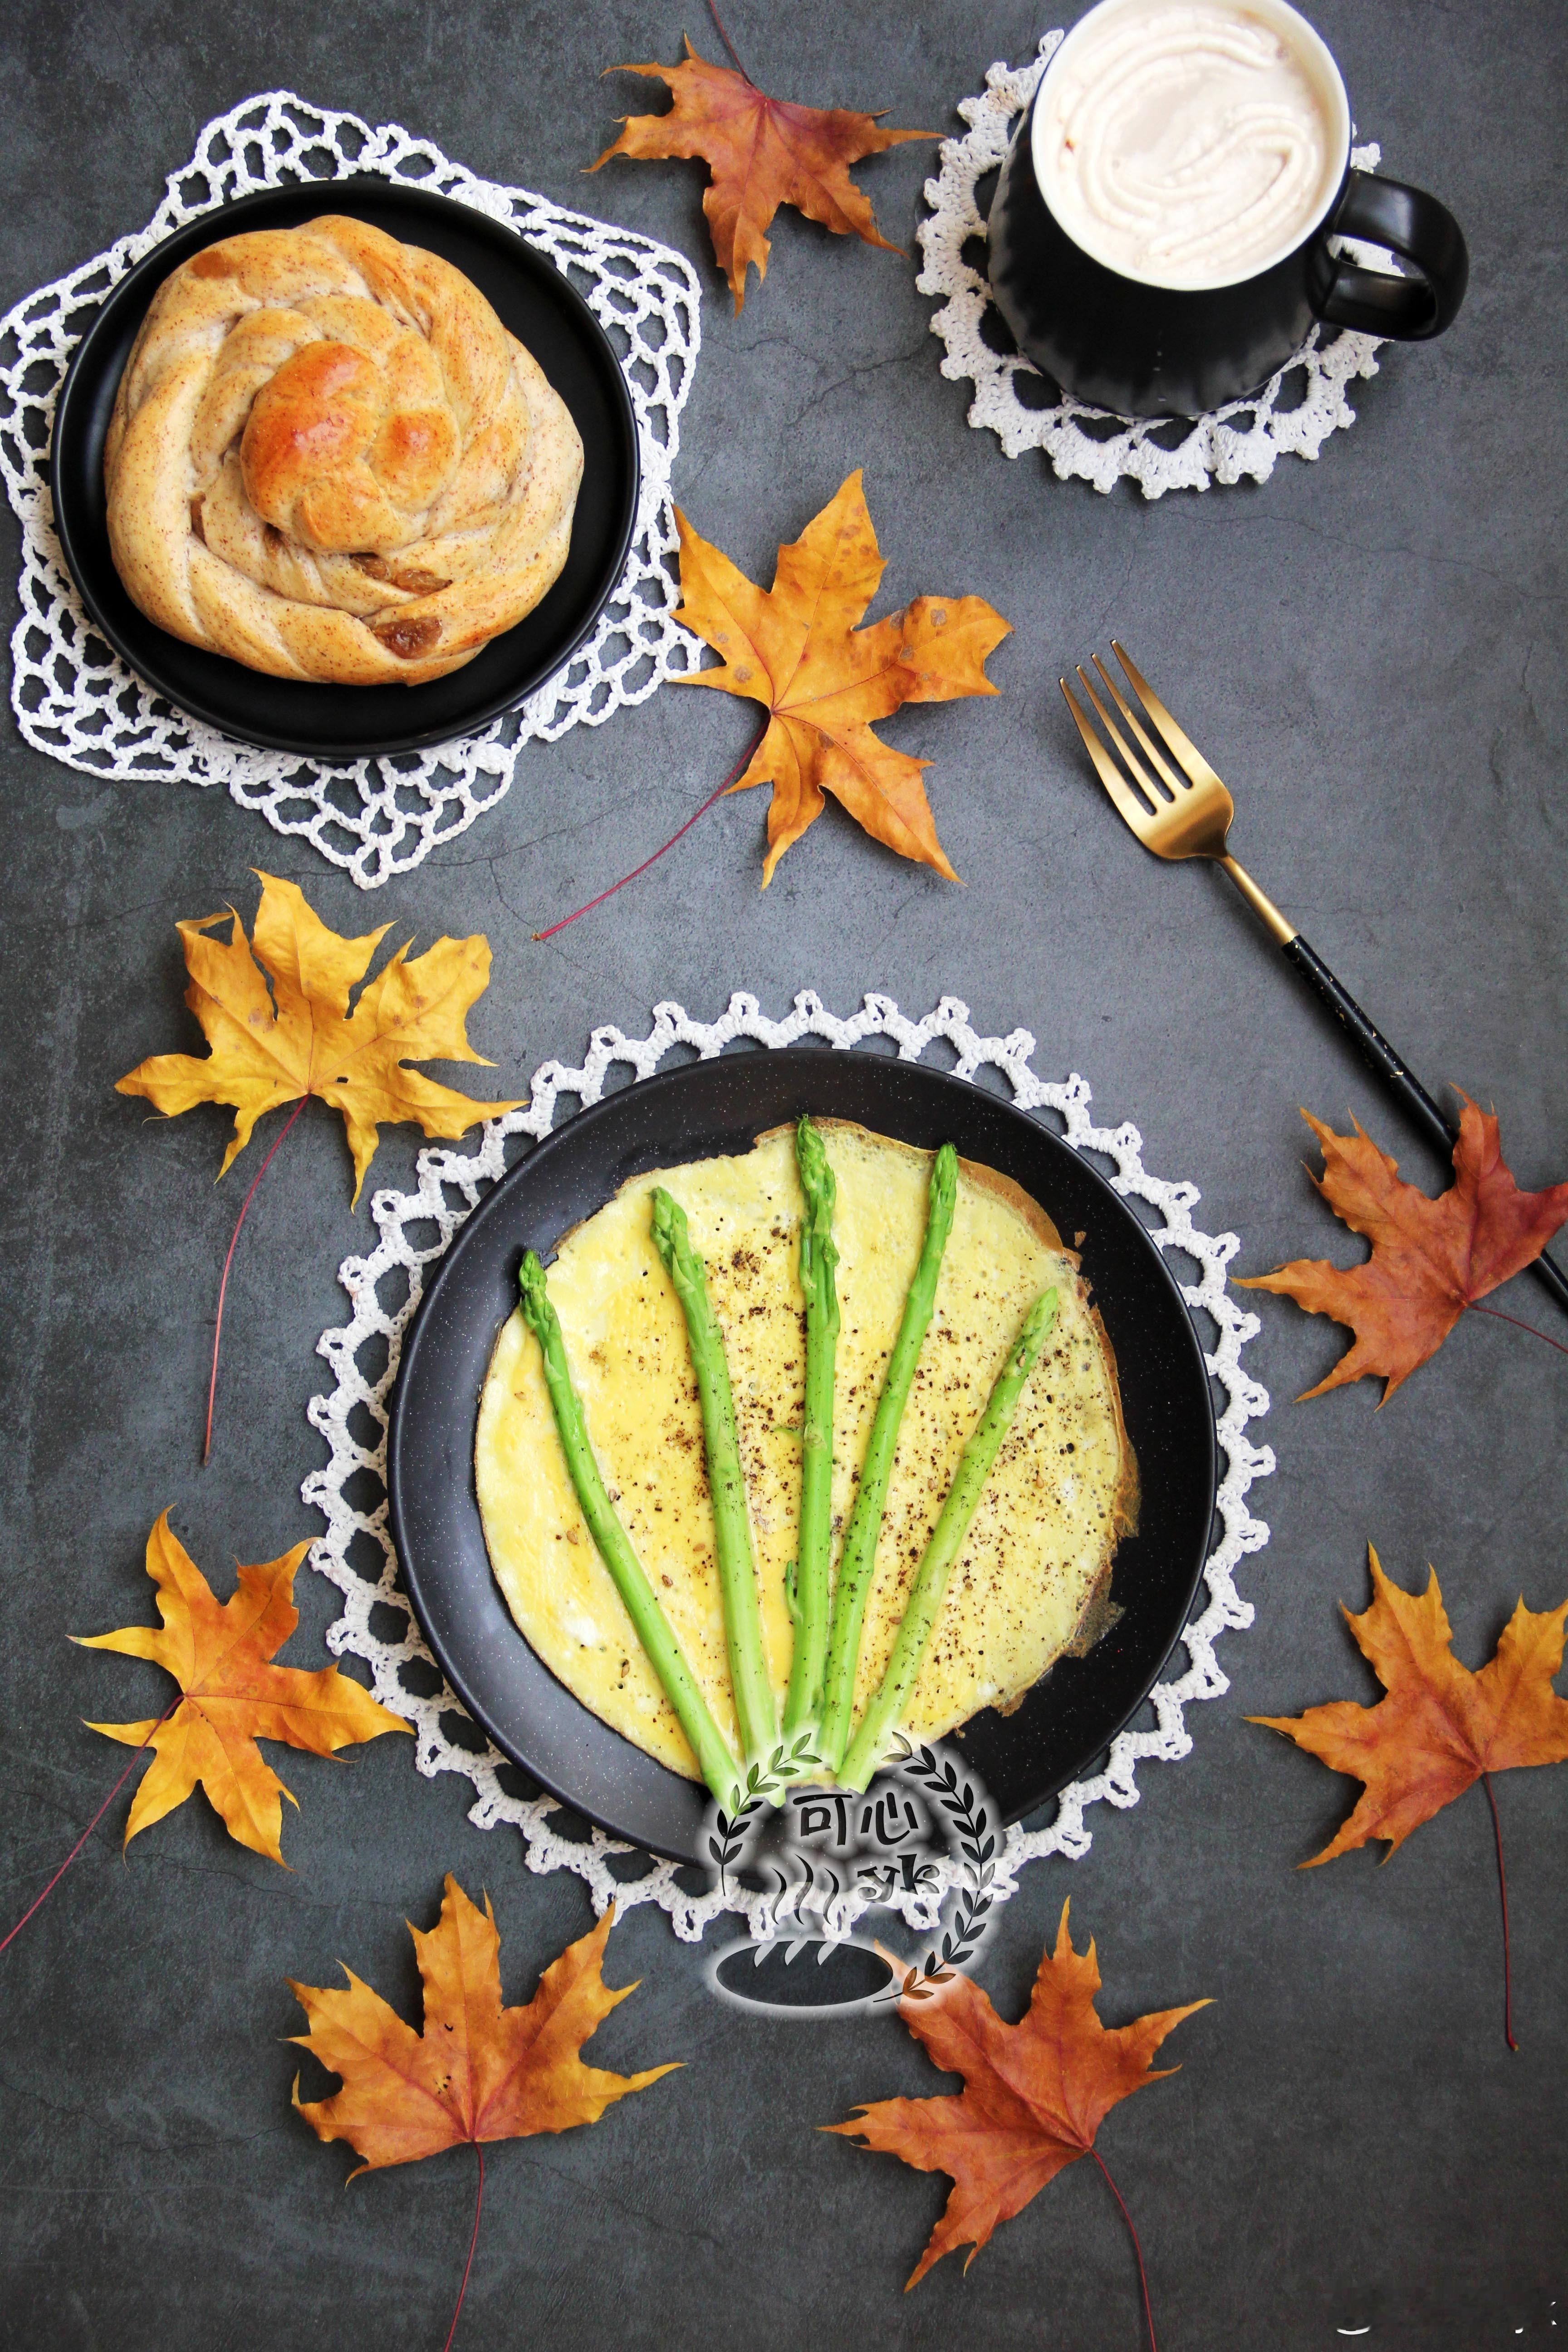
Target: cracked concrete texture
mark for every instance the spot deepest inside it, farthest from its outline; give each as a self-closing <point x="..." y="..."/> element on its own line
<point x="1369" y="648"/>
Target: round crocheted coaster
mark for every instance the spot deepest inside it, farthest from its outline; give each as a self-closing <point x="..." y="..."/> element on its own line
<point x="1295" y="412"/>
<point x="75" y="700"/>
<point x="385" y="1288"/>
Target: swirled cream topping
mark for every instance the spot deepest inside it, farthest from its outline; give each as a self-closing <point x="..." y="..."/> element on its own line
<point x="1190" y="142"/>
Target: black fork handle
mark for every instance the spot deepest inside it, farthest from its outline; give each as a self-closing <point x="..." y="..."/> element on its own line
<point x="1407" y="1090"/>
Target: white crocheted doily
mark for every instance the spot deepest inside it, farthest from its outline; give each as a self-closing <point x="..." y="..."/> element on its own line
<point x="1295" y="412"/>
<point x="386" y="1288"/>
<point x="79" y="702"/>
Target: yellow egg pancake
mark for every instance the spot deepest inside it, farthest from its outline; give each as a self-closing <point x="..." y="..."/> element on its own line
<point x="1061" y="1491"/>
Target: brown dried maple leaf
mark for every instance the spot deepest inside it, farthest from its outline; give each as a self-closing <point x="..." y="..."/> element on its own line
<point x="1035" y="2094"/>
<point x="761" y="152"/>
<point x="796" y="649"/>
<point x="1438" y="1728"/>
<point x="271" y="1046"/>
<point x="1430" y="1258"/>
<point x="218" y="1653"/>
<point x="478" y="2071"/>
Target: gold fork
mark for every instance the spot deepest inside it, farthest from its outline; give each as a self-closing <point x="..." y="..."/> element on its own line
<point x="1188" y="814"/>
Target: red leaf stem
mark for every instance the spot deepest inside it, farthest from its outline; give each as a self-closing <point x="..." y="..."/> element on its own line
<point x="1143" y="2279"/>
<point x="728" y="43"/>
<point x="87" y="1832"/>
<point x="1503" y="1890"/>
<point x="718" y="795"/>
<point x="1497" y="1311"/>
<point x="223" y="1285"/>
<point x="473" y="2241"/>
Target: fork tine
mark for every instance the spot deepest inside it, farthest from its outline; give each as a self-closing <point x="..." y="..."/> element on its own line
<point x="1150" y="746"/>
<point x="1128" y="807"/>
<point x="1140" y="775"/>
<point x="1182" y="748"/>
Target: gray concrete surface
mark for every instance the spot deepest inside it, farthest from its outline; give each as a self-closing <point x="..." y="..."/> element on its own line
<point x="1371" y="648"/>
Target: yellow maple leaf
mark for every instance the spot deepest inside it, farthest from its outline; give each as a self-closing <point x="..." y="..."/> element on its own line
<point x="795" y="648"/>
<point x="219" y="1652"/>
<point x="271" y="1048"/>
<point x="478" y="2071"/>
<point x="1438" y="1727"/>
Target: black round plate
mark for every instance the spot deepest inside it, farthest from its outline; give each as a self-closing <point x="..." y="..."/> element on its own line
<point x="723" y="1105"/>
<point x="342" y="723"/>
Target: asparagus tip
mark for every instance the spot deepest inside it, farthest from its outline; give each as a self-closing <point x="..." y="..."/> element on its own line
<point x="669" y="1228"/>
<point x="1037" y="1323"/>
<point x="811" y="1156"/>
<point x="944" y="1181"/>
<point x="531" y="1283"/>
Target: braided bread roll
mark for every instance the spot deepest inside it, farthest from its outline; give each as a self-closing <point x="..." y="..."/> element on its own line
<point x="329" y="459"/>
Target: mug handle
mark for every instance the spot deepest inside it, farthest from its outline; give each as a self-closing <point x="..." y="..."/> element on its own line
<point x="1420" y="230"/>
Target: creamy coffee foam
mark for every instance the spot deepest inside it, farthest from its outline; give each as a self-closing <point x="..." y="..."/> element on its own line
<point x="1189" y="143"/>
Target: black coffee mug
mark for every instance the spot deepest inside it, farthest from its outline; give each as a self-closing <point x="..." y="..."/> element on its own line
<point x="1117" y="342"/>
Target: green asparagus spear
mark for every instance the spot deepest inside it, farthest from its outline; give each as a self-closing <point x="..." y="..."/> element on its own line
<point x="732" y="1529"/>
<point x="653" y="1627"/>
<point x="859" y="1556"/>
<point x="818" y="1258"/>
<point x="924" y="1604"/>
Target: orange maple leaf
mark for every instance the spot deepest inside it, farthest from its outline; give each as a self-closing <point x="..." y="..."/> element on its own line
<point x="1430" y="1258"/>
<point x="217" y="1652"/>
<point x="273" y="1047"/>
<point x="761" y="152"/>
<point x="796" y="649"/>
<point x="1438" y="1728"/>
<point x="478" y="2071"/>
<point x="1035" y="2094"/>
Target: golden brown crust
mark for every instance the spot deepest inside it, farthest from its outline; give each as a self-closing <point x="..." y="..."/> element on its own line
<point x="1023" y="1204"/>
<point x="329" y="459"/>
<point x="1099" y="1614"/>
<point x="1128" y="1495"/>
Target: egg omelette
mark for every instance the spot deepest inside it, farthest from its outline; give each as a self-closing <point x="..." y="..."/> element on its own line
<point x="1062" y="1490"/>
